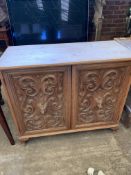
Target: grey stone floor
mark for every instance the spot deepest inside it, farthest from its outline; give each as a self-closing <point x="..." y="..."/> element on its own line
<point x="69" y="154"/>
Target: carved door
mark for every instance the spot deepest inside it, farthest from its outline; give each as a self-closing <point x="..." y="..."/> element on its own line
<point x="97" y="92"/>
<point x="40" y="98"/>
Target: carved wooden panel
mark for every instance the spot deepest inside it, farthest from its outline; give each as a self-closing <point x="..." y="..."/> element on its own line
<point x="41" y="98"/>
<point x="97" y="92"/>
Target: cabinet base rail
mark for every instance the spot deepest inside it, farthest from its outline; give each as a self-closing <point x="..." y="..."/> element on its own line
<point x="25" y="138"/>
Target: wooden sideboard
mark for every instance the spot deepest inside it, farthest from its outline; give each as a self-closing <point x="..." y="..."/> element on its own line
<point x="64" y="88"/>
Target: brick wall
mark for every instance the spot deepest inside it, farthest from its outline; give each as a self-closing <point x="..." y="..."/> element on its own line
<point x="114" y="24"/>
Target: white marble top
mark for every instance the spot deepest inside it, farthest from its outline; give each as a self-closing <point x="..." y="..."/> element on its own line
<point x="63" y="54"/>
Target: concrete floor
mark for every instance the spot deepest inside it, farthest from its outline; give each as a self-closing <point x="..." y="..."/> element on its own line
<point x="69" y="154"/>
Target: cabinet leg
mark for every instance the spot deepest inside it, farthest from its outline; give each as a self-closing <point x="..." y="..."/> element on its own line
<point x="115" y="128"/>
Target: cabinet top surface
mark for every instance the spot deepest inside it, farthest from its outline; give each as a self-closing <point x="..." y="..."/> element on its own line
<point x="63" y="54"/>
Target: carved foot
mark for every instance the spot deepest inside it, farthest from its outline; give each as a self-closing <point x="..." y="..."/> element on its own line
<point x="23" y="141"/>
<point x="115" y="128"/>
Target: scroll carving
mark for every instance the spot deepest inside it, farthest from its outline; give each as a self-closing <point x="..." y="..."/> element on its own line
<point x="41" y="100"/>
<point x="98" y="93"/>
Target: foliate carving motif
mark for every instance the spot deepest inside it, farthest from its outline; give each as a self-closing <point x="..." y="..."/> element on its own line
<point x="98" y="92"/>
<point x="41" y="97"/>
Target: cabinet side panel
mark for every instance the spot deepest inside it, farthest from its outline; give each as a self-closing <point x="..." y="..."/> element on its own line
<point x="123" y="94"/>
<point x="9" y="100"/>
